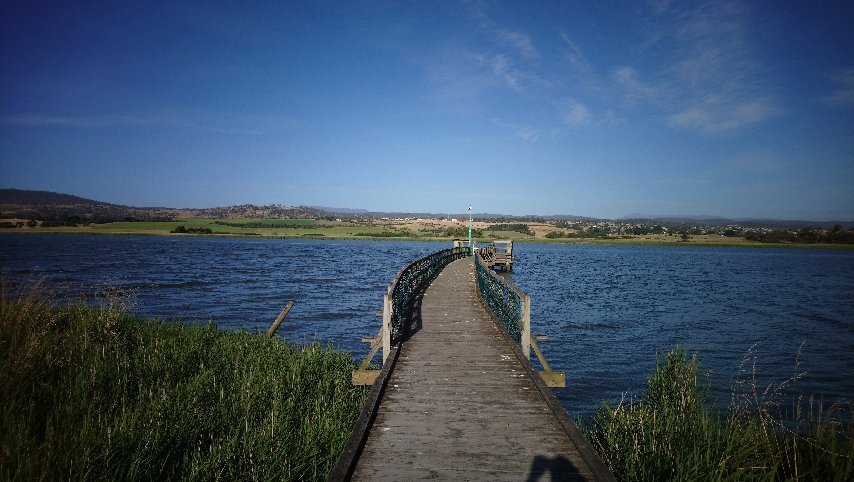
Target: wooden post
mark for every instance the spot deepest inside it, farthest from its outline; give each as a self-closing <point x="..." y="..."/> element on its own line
<point x="386" y="325"/>
<point x="526" y="325"/>
<point x="282" y="315"/>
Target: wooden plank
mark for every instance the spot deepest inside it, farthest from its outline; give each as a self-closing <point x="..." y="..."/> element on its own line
<point x="554" y="379"/>
<point x="365" y="377"/>
<point x="460" y="405"/>
<point x="346" y="462"/>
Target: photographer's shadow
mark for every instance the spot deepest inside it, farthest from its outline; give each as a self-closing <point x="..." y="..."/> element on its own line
<point x="553" y="468"/>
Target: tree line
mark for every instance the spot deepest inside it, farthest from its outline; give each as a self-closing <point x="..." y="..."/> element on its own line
<point x="836" y="235"/>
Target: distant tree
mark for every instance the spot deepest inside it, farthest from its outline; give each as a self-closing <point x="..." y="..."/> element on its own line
<point x="517" y="227"/>
<point x="807" y="235"/>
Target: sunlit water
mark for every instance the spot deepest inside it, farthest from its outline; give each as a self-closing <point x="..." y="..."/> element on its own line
<point x="608" y="310"/>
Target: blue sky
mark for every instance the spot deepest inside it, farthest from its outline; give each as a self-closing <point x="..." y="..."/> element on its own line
<point x="603" y="109"/>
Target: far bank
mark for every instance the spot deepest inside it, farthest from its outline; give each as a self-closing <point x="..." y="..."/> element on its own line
<point x="420" y="230"/>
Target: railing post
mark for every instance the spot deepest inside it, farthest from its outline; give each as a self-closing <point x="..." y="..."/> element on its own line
<point x="386" y="325"/>
<point x="526" y="325"/>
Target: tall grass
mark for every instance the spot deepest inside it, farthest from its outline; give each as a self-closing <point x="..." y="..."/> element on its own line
<point x="669" y="433"/>
<point x="93" y="393"/>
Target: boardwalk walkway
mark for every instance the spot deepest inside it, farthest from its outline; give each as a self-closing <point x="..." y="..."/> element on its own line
<point x="459" y="405"/>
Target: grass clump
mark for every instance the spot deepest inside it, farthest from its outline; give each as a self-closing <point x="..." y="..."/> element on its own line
<point x="93" y="393"/>
<point x="669" y="433"/>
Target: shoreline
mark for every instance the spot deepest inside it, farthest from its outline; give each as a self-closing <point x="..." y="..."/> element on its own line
<point x="646" y="241"/>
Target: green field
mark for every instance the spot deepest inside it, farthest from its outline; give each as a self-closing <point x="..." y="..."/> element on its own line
<point x="387" y="230"/>
<point x="299" y="228"/>
<point x="286" y="228"/>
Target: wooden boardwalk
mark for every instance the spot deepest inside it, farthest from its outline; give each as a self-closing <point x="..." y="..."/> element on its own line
<point x="460" y="405"/>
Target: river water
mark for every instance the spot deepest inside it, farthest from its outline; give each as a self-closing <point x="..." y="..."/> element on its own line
<point x="607" y="310"/>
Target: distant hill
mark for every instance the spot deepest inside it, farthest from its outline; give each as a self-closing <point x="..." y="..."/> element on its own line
<point x="346" y="211"/>
<point x="55" y="209"/>
<point x="66" y="209"/>
<point x="43" y="198"/>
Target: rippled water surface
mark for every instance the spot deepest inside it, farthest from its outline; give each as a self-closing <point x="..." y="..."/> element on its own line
<point x="608" y="310"/>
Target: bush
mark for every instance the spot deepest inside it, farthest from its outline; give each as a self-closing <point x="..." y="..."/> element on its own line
<point x="670" y="434"/>
<point x="516" y="227"/>
<point x="184" y="230"/>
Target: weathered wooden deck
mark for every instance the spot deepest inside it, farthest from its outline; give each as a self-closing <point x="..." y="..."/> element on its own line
<point x="459" y="404"/>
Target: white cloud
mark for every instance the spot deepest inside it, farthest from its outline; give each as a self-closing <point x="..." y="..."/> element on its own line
<point x="42" y="120"/>
<point x="716" y="114"/>
<point x="576" y="59"/>
<point x="527" y="134"/>
<point x="220" y="122"/>
<point x="633" y="89"/>
<point x="843" y="95"/>
<point x="576" y="113"/>
<point x="500" y="66"/>
<point x="520" y="42"/>
<point x="701" y="69"/>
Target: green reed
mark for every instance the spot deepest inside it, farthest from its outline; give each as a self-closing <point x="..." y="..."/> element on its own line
<point x="93" y="393"/>
<point x="669" y="433"/>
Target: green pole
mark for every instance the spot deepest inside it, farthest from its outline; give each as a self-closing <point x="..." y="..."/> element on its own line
<point x="471" y="245"/>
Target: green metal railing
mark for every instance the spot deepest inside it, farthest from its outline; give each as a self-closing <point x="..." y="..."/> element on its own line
<point x="509" y="305"/>
<point x="512" y="307"/>
<point x="412" y="280"/>
<point x="399" y="305"/>
<point x="507" y="302"/>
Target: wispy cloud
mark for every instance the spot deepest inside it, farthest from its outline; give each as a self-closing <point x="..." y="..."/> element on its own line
<point x="714" y="114"/>
<point x="576" y="113"/>
<point x="525" y="133"/>
<point x="500" y="66"/>
<point x="521" y="42"/>
<point x="843" y="92"/>
<point x="42" y="120"/>
<point x="633" y="89"/>
<point x="510" y="54"/>
<point x="700" y="69"/>
<point x="222" y="123"/>
<point x="583" y="73"/>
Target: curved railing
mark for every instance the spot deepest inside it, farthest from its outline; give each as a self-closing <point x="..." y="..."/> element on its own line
<point x="399" y="304"/>
<point x="412" y="280"/>
<point x="507" y="302"/>
<point x="512" y="307"/>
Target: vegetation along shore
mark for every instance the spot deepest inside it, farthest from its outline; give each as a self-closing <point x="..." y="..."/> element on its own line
<point x="446" y="230"/>
<point x="90" y="392"/>
<point x="24" y="211"/>
<point x="671" y="433"/>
